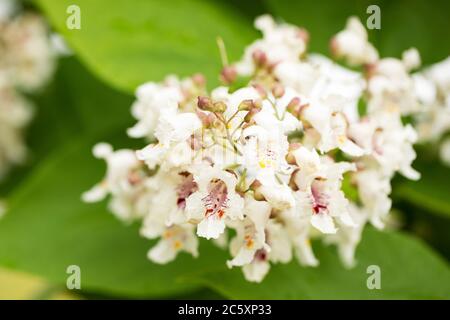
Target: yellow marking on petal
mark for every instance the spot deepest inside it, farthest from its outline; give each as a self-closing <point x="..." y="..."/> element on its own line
<point x="177" y="244"/>
<point x="262" y="164"/>
<point x="392" y="107"/>
<point x="167" y="234"/>
<point x="249" y="243"/>
<point x="342" y="139"/>
<point x="308" y="242"/>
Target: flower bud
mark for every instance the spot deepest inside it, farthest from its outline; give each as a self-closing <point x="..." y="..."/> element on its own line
<point x="245" y="105"/>
<point x="278" y="90"/>
<point x="259" y="57"/>
<point x="207" y="119"/>
<point x="199" y="80"/>
<point x="204" y="103"/>
<point x="228" y="75"/>
<point x="219" y="107"/>
<point x="294" y="106"/>
<point x="249" y="116"/>
<point x="261" y="91"/>
<point x="303" y="34"/>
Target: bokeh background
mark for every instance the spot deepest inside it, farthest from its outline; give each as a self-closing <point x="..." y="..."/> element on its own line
<point x="124" y="43"/>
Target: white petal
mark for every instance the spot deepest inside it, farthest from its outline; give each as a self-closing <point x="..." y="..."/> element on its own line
<point x="305" y="254"/>
<point x="323" y="222"/>
<point x="162" y="253"/>
<point x="211" y="227"/>
<point x="256" y="271"/>
<point x="102" y="150"/>
<point x="97" y="193"/>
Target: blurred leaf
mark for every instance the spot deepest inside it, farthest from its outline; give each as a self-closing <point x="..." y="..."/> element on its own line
<point x="74" y="104"/>
<point x="409" y="270"/>
<point x="416" y="23"/>
<point x="431" y="192"/>
<point x="404" y="24"/>
<point x="130" y="42"/>
<point x="49" y="228"/>
<point x="322" y="19"/>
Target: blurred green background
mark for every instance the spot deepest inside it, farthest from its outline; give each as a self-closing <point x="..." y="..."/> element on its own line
<point x="124" y="43"/>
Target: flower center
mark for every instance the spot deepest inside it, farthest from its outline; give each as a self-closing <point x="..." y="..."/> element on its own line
<point x="261" y="255"/>
<point x="216" y="200"/>
<point x="185" y="189"/>
<point x="319" y="198"/>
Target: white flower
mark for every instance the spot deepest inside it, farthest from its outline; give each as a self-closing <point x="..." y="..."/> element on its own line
<point x="250" y="233"/>
<point x="299" y="230"/>
<point x="274" y="159"/>
<point x="215" y="201"/>
<point x="300" y="76"/>
<point x="123" y="180"/>
<point x="274" y="115"/>
<point x="320" y="194"/>
<point x="374" y="188"/>
<point x="28" y="55"/>
<point x="151" y="98"/>
<point x="174" y="239"/>
<point x="172" y="189"/>
<point x="265" y="161"/>
<point x="432" y="88"/>
<point x="411" y="59"/>
<point x="280" y="43"/>
<point x="326" y="116"/>
<point x="15" y="113"/>
<point x="393" y="147"/>
<point x="173" y="129"/>
<point x="348" y="238"/>
<point x="391" y="87"/>
<point x="26" y="64"/>
<point x="353" y="45"/>
<point x="279" y="251"/>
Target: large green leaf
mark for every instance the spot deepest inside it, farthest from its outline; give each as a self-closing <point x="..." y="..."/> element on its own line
<point x="48" y="228"/>
<point x="130" y="42"/>
<point x="415" y="23"/>
<point x="409" y="270"/>
<point x="431" y="192"/>
<point x="74" y="104"/>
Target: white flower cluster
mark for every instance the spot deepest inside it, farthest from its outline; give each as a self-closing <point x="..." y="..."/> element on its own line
<point x="305" y="149"/>
<point x="433" y="120"/>
<point x="26" y="63"/>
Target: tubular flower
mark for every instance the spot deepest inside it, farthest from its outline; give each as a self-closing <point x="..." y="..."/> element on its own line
<point x="274" y="159"/>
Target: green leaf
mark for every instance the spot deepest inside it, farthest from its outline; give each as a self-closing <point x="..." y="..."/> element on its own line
<point x="130" y="42"/>
<point x="404" y="24"/>
<point x="431" y="192"/>
<point x="415" y="23"/>
<point x="48" y="228"/>
<point x="74" y="104"/>
<point x="323" y="19"/>
<point x="409" y="270"/>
